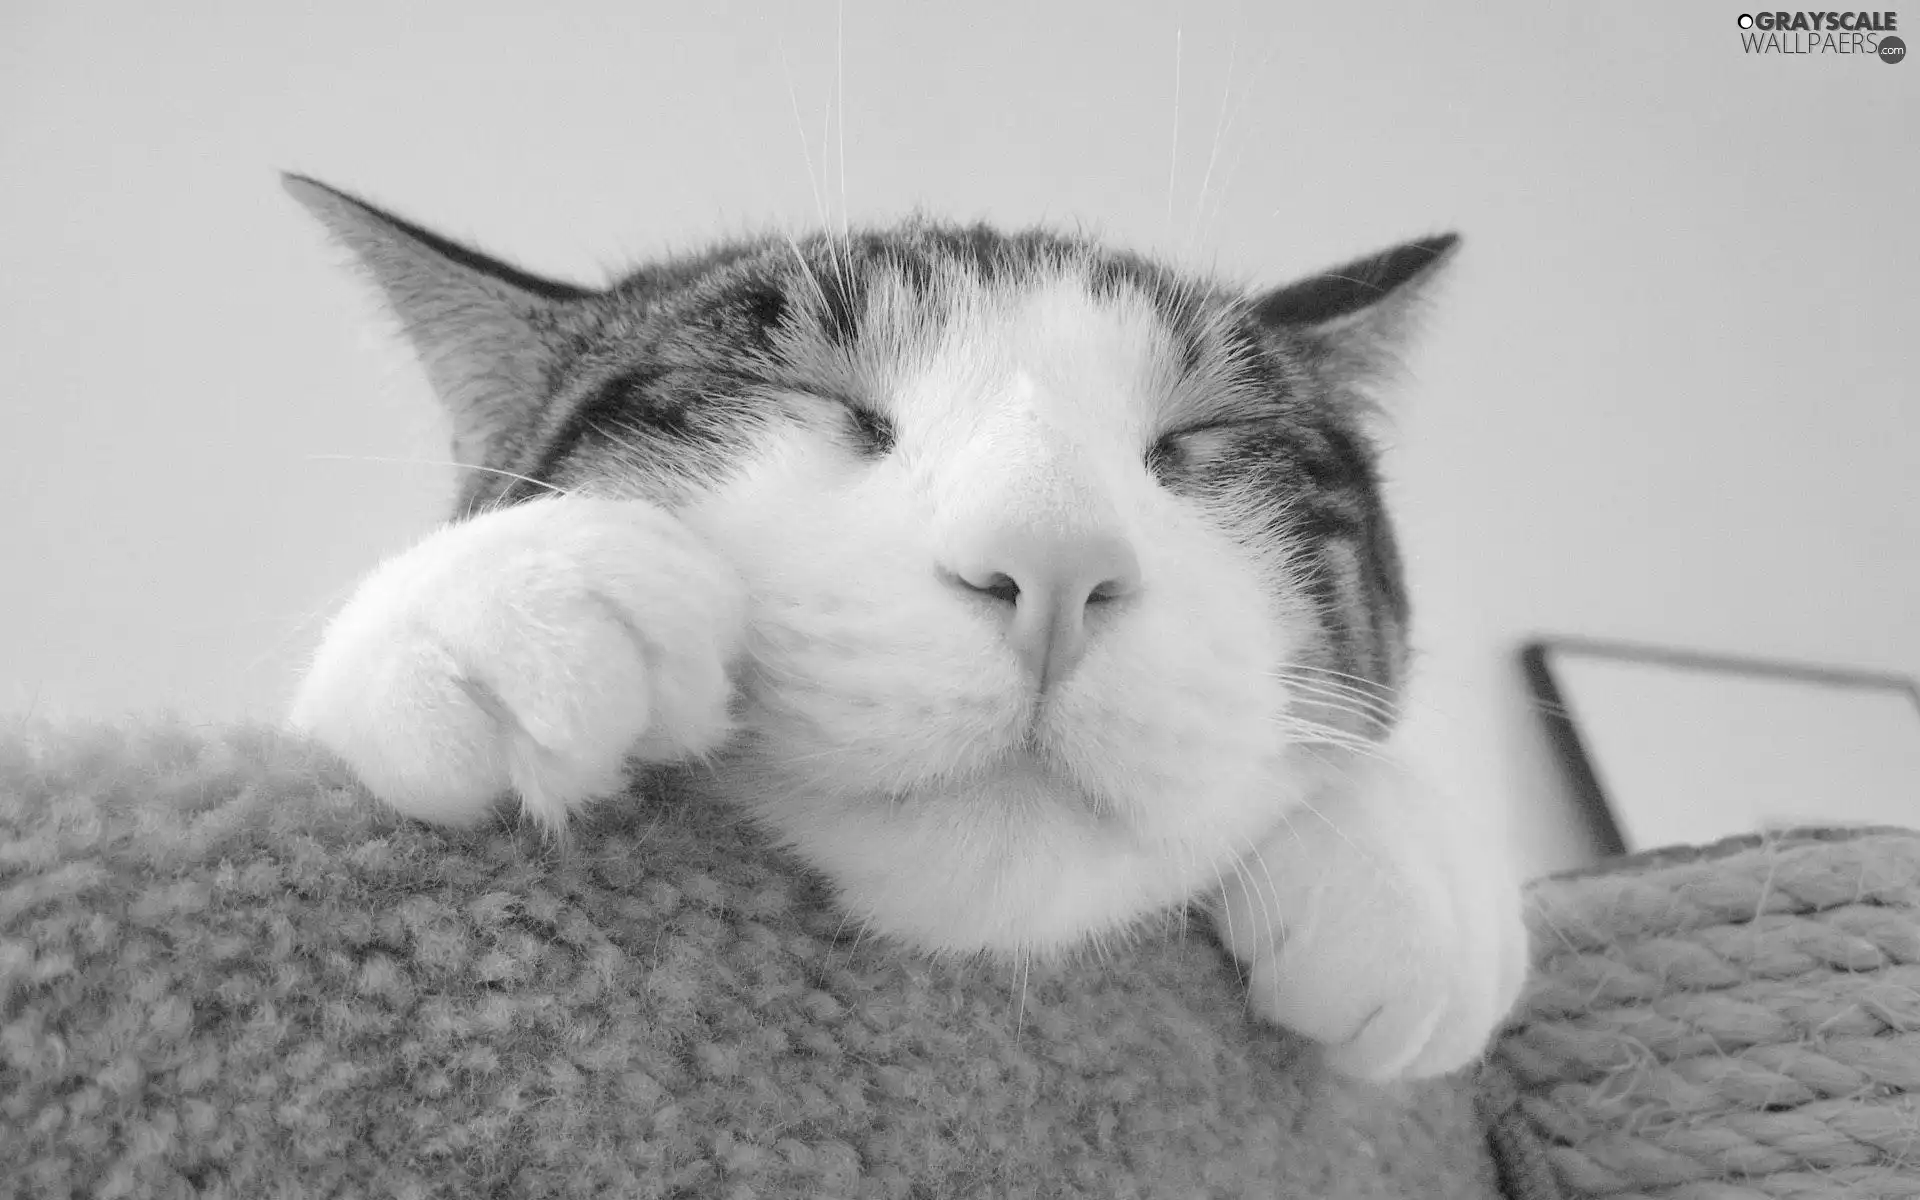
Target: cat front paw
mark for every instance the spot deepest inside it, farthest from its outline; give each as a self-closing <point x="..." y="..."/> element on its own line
<point x="1400" y="954"/>
<point x="531" y="650"/>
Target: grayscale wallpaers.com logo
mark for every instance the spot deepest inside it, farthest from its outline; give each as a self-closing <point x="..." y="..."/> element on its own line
<point x="1869" y="34"/>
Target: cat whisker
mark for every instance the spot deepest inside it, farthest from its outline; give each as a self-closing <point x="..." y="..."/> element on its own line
<point x="1186" y="907"/>
<point x="844" y="263"/>
<point x="1264" y="902"/>
<point x="1360" y="701"/>
<point x="806" y="268"/>
<point x="301" y="624"/>
<point x="840" y="84"/>
<point x="1302" y="732"/>
<point x="1311" y="729"/>
<point x="1350" y="698"/>
<point x="1373" y="720"/>
<point x="826" y="164"/>
<point x="1375" y="695"/>
<point x="1022" y="970"/>
<point x="860" y="935"/>
<point x="438" y="462"/>
<point x="1270" y="904"/>
<point x="1381" y="871"/>
<point x="1316" y="669"/>
<point x="1531" y="903"/>
<point x="1213" y="155"/>
<point x="1366" y="686"/>
<point x="1354" y="748"/>
<point x="841" y="926"/>
<point x="1273" y="887"/>
<point x="806" y="147"/>
<point x="320" y="613"/>
<point x="1239" y="149"/>
<point x="1173" y="162"/>
<point x="1225" y="910"/>
<point x="1361" y="681"/>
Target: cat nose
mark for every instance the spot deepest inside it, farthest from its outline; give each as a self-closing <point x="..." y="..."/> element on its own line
<point x="1048" y="583"/>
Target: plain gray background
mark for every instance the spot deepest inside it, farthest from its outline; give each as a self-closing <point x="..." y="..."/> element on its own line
<point x="1669" y="395"/>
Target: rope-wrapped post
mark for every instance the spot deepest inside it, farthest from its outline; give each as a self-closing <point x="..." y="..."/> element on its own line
<point x="1734" y="1023"/>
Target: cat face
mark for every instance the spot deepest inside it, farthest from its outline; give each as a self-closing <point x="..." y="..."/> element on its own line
<point x="1069" y="574"/>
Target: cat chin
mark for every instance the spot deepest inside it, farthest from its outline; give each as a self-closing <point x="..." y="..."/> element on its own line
<point x="1014" y="860"/>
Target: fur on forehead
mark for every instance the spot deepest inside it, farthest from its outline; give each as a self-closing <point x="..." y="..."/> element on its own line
<point x="1130" y="357"/>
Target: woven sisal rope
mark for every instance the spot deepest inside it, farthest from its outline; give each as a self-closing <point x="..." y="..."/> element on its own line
<point x="1742" y="1023"/>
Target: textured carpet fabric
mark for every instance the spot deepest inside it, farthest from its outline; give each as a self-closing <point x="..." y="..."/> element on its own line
<point x="224" y="972"/>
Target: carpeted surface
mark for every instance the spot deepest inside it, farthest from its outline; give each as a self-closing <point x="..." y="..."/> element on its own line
<point x="225" y="973"/>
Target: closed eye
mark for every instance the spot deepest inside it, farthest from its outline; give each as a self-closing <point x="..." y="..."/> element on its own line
<point x="1171" y="447"/>
<point x="871" y="434"/>
<point x="873" y="431"/>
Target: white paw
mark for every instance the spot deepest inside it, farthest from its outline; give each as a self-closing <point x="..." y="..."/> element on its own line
<point x="530" y="650"/>
<point x="1397" y="945"/>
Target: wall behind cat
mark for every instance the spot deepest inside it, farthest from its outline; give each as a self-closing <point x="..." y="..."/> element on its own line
<point x="1666" y="397"/>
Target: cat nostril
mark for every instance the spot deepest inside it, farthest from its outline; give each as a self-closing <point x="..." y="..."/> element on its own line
<point x="999" y="585"/>
<point x="1002" y="587"/>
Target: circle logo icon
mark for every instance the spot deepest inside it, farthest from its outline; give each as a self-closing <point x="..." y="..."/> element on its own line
<point x="1892" y="50"/>
<point x="1746" y="20"/>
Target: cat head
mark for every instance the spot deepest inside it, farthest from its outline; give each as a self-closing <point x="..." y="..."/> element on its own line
<point x="1071" y="577"/>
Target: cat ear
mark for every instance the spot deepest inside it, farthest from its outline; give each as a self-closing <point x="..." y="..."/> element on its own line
<point x="1357" y="318"/>
<point x="485" y="331"/>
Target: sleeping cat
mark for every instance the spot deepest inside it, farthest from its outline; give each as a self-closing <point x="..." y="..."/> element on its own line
<point x="1027" y="589"/>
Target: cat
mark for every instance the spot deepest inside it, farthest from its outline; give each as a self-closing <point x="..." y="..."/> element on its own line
<point x="1024" y="587"/>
